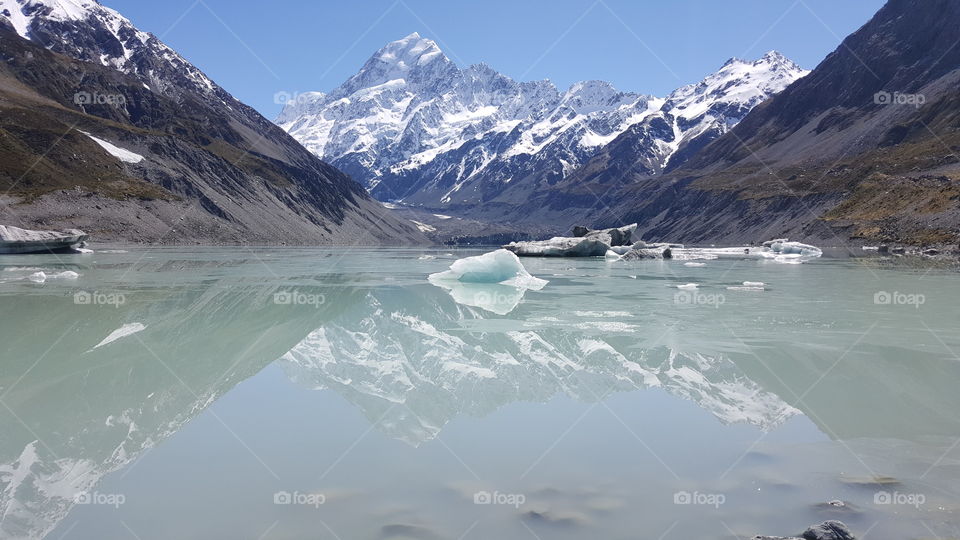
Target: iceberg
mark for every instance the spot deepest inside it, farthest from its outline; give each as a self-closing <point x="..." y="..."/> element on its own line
<point x="786" y="247"/>
<point x="17" y="240"/>
<point x="560" y="246"/>
<point x="494" y="281"/>
<point x="619" y="236"/>
<point x="500" y="266"/>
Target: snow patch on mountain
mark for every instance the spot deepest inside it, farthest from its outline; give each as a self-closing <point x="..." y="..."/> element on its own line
<point x="118" y="43"/>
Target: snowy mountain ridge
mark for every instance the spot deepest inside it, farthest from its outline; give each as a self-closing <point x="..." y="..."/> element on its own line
<point x="415" y="128"/>
<point x="119" y="44"/>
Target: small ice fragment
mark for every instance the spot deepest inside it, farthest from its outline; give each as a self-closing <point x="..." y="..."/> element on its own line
<point x="753" y="284"/>
<point x="694" y="264"/>
<point x="37" y="277"/>
<point x="67" y="274"/>
<point x="611" y="255"/>
<point x="688" y="286"/>
<point x="123" y="331"/>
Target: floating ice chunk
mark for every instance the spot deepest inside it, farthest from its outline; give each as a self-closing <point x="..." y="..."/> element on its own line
<point x="694" y="264"/>
<point x="494" y="281"/>
<point x="123" y="331"/>
<point x="621" y="250"/>
<point x="83" y="250"/>
<point x="41" y="277"/>
<point x="786" y="247"/>
<point x="560" y="247"/>
<point x="612" y="255"/>
<point x="688" y="286"/>
<point x="749" y="286"/>
<point x="871" y="248"/>
<point x="500" y="266"/>
<point x="426" y="257"/>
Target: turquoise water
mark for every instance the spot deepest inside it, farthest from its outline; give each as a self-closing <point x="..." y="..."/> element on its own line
<point x="294" y="393"/>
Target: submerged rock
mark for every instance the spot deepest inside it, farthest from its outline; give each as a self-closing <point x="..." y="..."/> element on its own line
<point x="828" y="530"/>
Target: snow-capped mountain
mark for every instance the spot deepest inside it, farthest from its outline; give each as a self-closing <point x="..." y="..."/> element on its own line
<point x="86" y="30"/>
<point x="211" y="168"/>
<point x="416" y="128"/>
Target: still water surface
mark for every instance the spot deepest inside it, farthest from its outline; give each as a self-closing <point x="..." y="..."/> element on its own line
<point x="311" y="393"/>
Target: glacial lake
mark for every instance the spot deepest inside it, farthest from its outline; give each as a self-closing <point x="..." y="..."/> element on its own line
<point x="337" y="394"/>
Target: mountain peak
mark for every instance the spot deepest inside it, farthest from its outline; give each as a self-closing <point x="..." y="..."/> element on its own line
<point x="410" y="51"/>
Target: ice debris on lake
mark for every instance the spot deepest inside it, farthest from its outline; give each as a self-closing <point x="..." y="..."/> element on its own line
<point x="42" y="277"/>
<point x="749" y="286"/>
<point x="494" y="281"/>
<point x="618" y="244"/>
<point x="688" y="286"/>
<point x="122" y="332"/>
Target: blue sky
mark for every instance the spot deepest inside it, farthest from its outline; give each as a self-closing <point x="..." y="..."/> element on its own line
<point x="255" y="49"/>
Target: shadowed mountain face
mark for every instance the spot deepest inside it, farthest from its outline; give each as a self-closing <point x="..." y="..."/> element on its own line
<point x="105" y="128"/>
<point x="865" y="147"/>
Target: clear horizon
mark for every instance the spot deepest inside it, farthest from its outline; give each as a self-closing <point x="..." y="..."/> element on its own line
<point x="255" y="55"/>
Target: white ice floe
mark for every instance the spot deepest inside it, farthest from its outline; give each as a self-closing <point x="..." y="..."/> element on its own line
<point x="122" y="332"/>
<point x="688" y="286"/>
<point x="781" y="250"/>
<point x="694" y="264"/>
<point x="41" y="277"/>
<point x="786" y="247"/>
<point x="749" y="286"/>
<point x="122" y="154"/>
<point x="500" y="266"/>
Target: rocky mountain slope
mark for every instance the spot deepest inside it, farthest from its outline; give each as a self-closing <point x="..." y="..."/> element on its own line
<point x="865" y="148"/>
<point x="105" y="128"/>
<point x="421" y="131"/>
